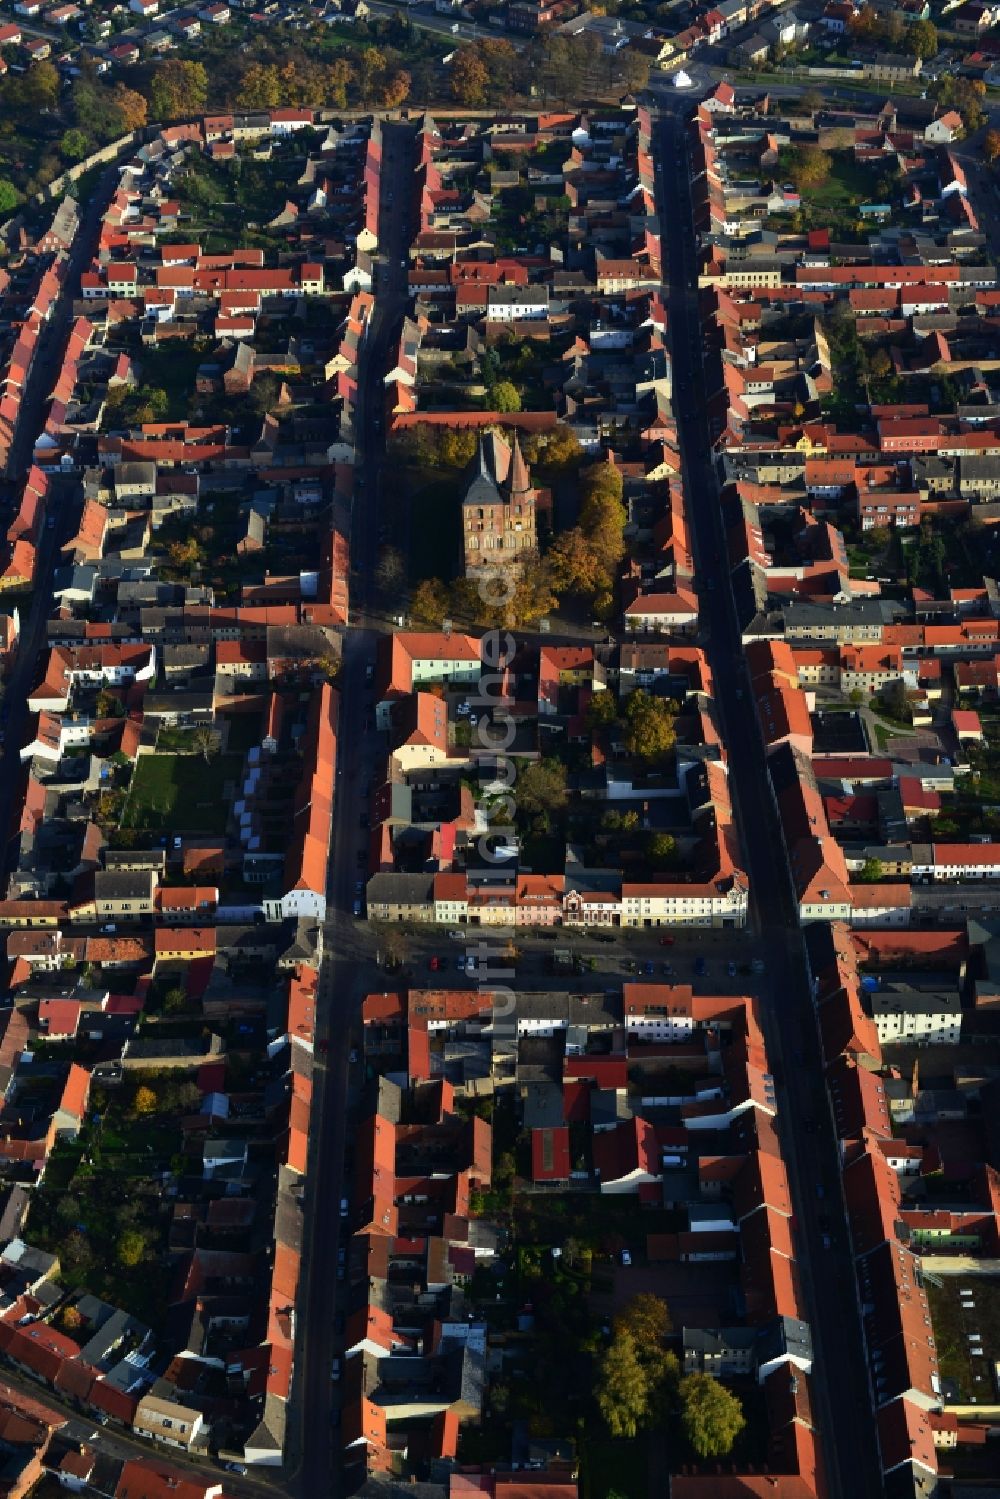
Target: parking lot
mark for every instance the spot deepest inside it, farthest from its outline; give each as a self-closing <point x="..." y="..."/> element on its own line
<point x="711" y="961"/>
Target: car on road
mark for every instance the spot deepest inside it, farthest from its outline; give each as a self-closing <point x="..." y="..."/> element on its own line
<point x="827" y="1242"/>
<point x="757" y="965"/>
<point x="356" y="908"/>
<point x="668" y="969"/>
<point x="434" y="964"/>
<point x="626" y="1257"/>
<point x="359" y="887"/>
<point x="335" y="1369"/>
<point x="648" y="968"/>
<point x="239" y="1468"/>
<point x="460" y="964"/>
<point x="457" y="936"/>
<point x="731" y="968"/>
<point x="700" y="966"/>
<point x="345" y="1207"/>
<point x="667" y="941"/>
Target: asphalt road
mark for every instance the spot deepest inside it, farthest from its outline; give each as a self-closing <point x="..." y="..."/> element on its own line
<point x="840" y="1386"/>
<point x="315" y="1468"/>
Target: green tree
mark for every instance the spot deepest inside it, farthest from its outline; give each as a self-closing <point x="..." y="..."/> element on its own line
<point x="711" y="1416"/>
<point x="871" y="871"/>
<point x="623" y="1389"/>
<point x="541" y="788"/>
<point x="650" y="732"/>
<point x="505" y="396"/>
<point x="131" y="1248"/>
<point x="921" y="39"/>
<point x="75" y="144"/>
<point x="430" y="603"/>
<point x="41" y="86"/>
<point x="661" y="848"/>
<point x="9" y="196"/>
<point x="175" y="999"/>
<point x="602" y="709"/>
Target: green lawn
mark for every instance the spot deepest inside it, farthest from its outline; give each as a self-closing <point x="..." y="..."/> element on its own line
<point x="181" y="793"/>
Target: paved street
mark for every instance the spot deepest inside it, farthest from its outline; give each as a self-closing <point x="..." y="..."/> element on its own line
<point x="313" y="1468"/>
<point x="840" y="1386"/>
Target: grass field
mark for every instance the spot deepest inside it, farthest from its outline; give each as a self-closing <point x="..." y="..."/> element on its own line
<point x="181" y="792"/>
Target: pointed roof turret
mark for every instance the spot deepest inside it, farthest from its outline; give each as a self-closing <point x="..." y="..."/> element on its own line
<point x="518" y="480"/>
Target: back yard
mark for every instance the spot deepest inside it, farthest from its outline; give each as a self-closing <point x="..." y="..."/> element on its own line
<point x="184" y="793"/>
<point x="100" y="1205"/>
<point x="965" y="1311"/>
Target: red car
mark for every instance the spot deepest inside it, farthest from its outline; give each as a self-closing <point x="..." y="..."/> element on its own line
<point x="434" y="964"/>
<point x="666" y="941"/>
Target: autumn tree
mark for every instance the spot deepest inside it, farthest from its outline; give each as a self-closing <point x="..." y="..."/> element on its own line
<point x="560" y="450"/>
<point x="178" y="89"/>
<point x="430" y="603"/>
<point x="573" y="564"/>
<point x="469" y="80"/>
<point x="373" y="68"/>
<point x="455" y="447"/>
<point x="603" y="515"/>
<point x="70" y="1319"/>
<point x="991" y="145"/>
<point x="394" y="89"/>
<point x="338" y="77"/>
<point x="711" y="1416"/>
<point x="260" y="87"/>
<point x="807" y="166"/>
<point x="649" y="726"/>
<point x="132" y="108"/>
<point x="145" y="1101"/>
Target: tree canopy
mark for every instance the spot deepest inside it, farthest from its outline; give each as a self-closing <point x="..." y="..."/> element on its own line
<point x="712" y="1417"/>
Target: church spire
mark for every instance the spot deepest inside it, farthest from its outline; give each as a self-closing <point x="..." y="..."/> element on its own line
<point x="518" y="478"/>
